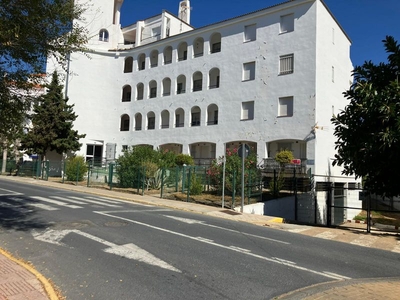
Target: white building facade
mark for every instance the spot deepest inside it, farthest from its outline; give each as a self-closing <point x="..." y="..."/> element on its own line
<point x="271" y="79"/>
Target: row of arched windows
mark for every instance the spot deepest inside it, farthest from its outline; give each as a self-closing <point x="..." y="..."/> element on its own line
<point x="142" y="62"/>
<point x="165" y="119"/>
<point x="167" y="89"/>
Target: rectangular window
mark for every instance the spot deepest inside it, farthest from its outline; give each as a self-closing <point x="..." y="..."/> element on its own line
<point x="249" y="71"/>
<point x="286" y="63"/>
<point x="247" y="110"/>
<point x="124" y="147"/>
<point x="287" y="23"/>
<point x="333" y="74"/>
<point x="250" y="32"/>
<point x="285" y="107"/>
<point x="333" y="35"/>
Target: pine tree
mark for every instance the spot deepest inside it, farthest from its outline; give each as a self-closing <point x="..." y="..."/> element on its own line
<point x="52" y="123"/>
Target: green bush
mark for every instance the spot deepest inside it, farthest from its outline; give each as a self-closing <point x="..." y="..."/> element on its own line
<point x="284" y="157"/>
<point x="76" y="168"/>
<point x="184" y="159"/>
<point x="196" y="186"/>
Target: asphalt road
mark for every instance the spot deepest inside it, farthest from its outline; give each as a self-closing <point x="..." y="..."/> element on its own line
<point x="100" y="248"/>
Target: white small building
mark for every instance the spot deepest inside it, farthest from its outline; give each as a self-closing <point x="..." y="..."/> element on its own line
<point x="272" y="78"/>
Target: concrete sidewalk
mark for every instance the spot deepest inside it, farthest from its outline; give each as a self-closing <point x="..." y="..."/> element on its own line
<point x="19" y="281"/>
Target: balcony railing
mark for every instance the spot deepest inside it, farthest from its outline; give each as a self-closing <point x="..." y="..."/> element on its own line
<point x="270" y="164"/>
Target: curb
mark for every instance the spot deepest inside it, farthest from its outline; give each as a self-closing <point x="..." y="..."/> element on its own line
<point x="48" y="288"/>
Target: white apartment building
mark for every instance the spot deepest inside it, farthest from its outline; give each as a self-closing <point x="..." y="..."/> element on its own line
<point x="272" y="79"/>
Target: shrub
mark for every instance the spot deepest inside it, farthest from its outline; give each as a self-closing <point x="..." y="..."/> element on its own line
<point x="284" y="157"/>
<point x="76" y="168"/>
<point x="184" y="159"/>
<point x="196" y="186"/>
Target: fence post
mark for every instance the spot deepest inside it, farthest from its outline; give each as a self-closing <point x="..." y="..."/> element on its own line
<point x="233" y="189"/>
<point x="77" y="173"/>
<point x="248" y="187"/>
<point x="88" y="174"/>
<point x="143" y="179"/>
<point x="110" y="175"/>
<point x="162" y="182"/>
<point x="329" y="205"/>
<point x="275" y="184"/>
<point x="369" y="213"/>
<point x="188" y="189"/>
<point x="63" y="170"/>
<point x="183" y="178"/>
<point x="176" y="178"/>
<point x="138" y="179"/>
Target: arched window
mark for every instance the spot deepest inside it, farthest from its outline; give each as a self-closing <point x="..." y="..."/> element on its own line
<point x="138" y="122"/>
<point x="181" y="84"/>
<point x="197" y="81"/>
<point x="167" y="55"/>
<point x="212" y="114"/>
<point x="198" y="47"/>
<point x="195" y="116"/>
<point x="141" y="62"/>
<point x="151" y="121"/>
<point x="166" y="87"/>
<point x="128" y="66"/>
<point x="164" y="119"/>
<point x="126" y="93"/>
<point x="213" y="78"/>
<point x="154" y="59"/>
<point x="124" y="123"/>
<point x="179" y="118"/>
<point x="152" y="89"/>
<point x="139" y="91"/>
<point x="215" y="43"/>
<point x="182" y="51"/>
<point x="103" y="35"/>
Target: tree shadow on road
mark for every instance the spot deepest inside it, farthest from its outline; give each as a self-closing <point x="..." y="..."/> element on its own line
<point x="17" y="214"/>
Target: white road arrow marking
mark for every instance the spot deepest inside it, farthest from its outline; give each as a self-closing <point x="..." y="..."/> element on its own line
<point x="190" y="221"/>
<point x="129" y="251"/>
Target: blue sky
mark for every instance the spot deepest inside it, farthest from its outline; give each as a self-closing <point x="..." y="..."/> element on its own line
<point x="366" y="22"/>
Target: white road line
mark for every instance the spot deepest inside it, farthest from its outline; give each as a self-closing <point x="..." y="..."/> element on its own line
<point x="38" y="205"/>
<point x="95" y="202"/>
<point x="136" y="210"/>
<point x="190" y="221"/>
<point x="242" y="250"/>
<point x="68" y="200"/>
<point x="9" y="193"/>
<point x="56" y="202"/>
<point x="338" y="276"/>
<point x="327" y="235"/>
<point x="364" y="240"/>
<point x="103" y="199"/>
<point x="43" y="206"/>
<point x="223" y="246"/>
<point x="286" y="261"/>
